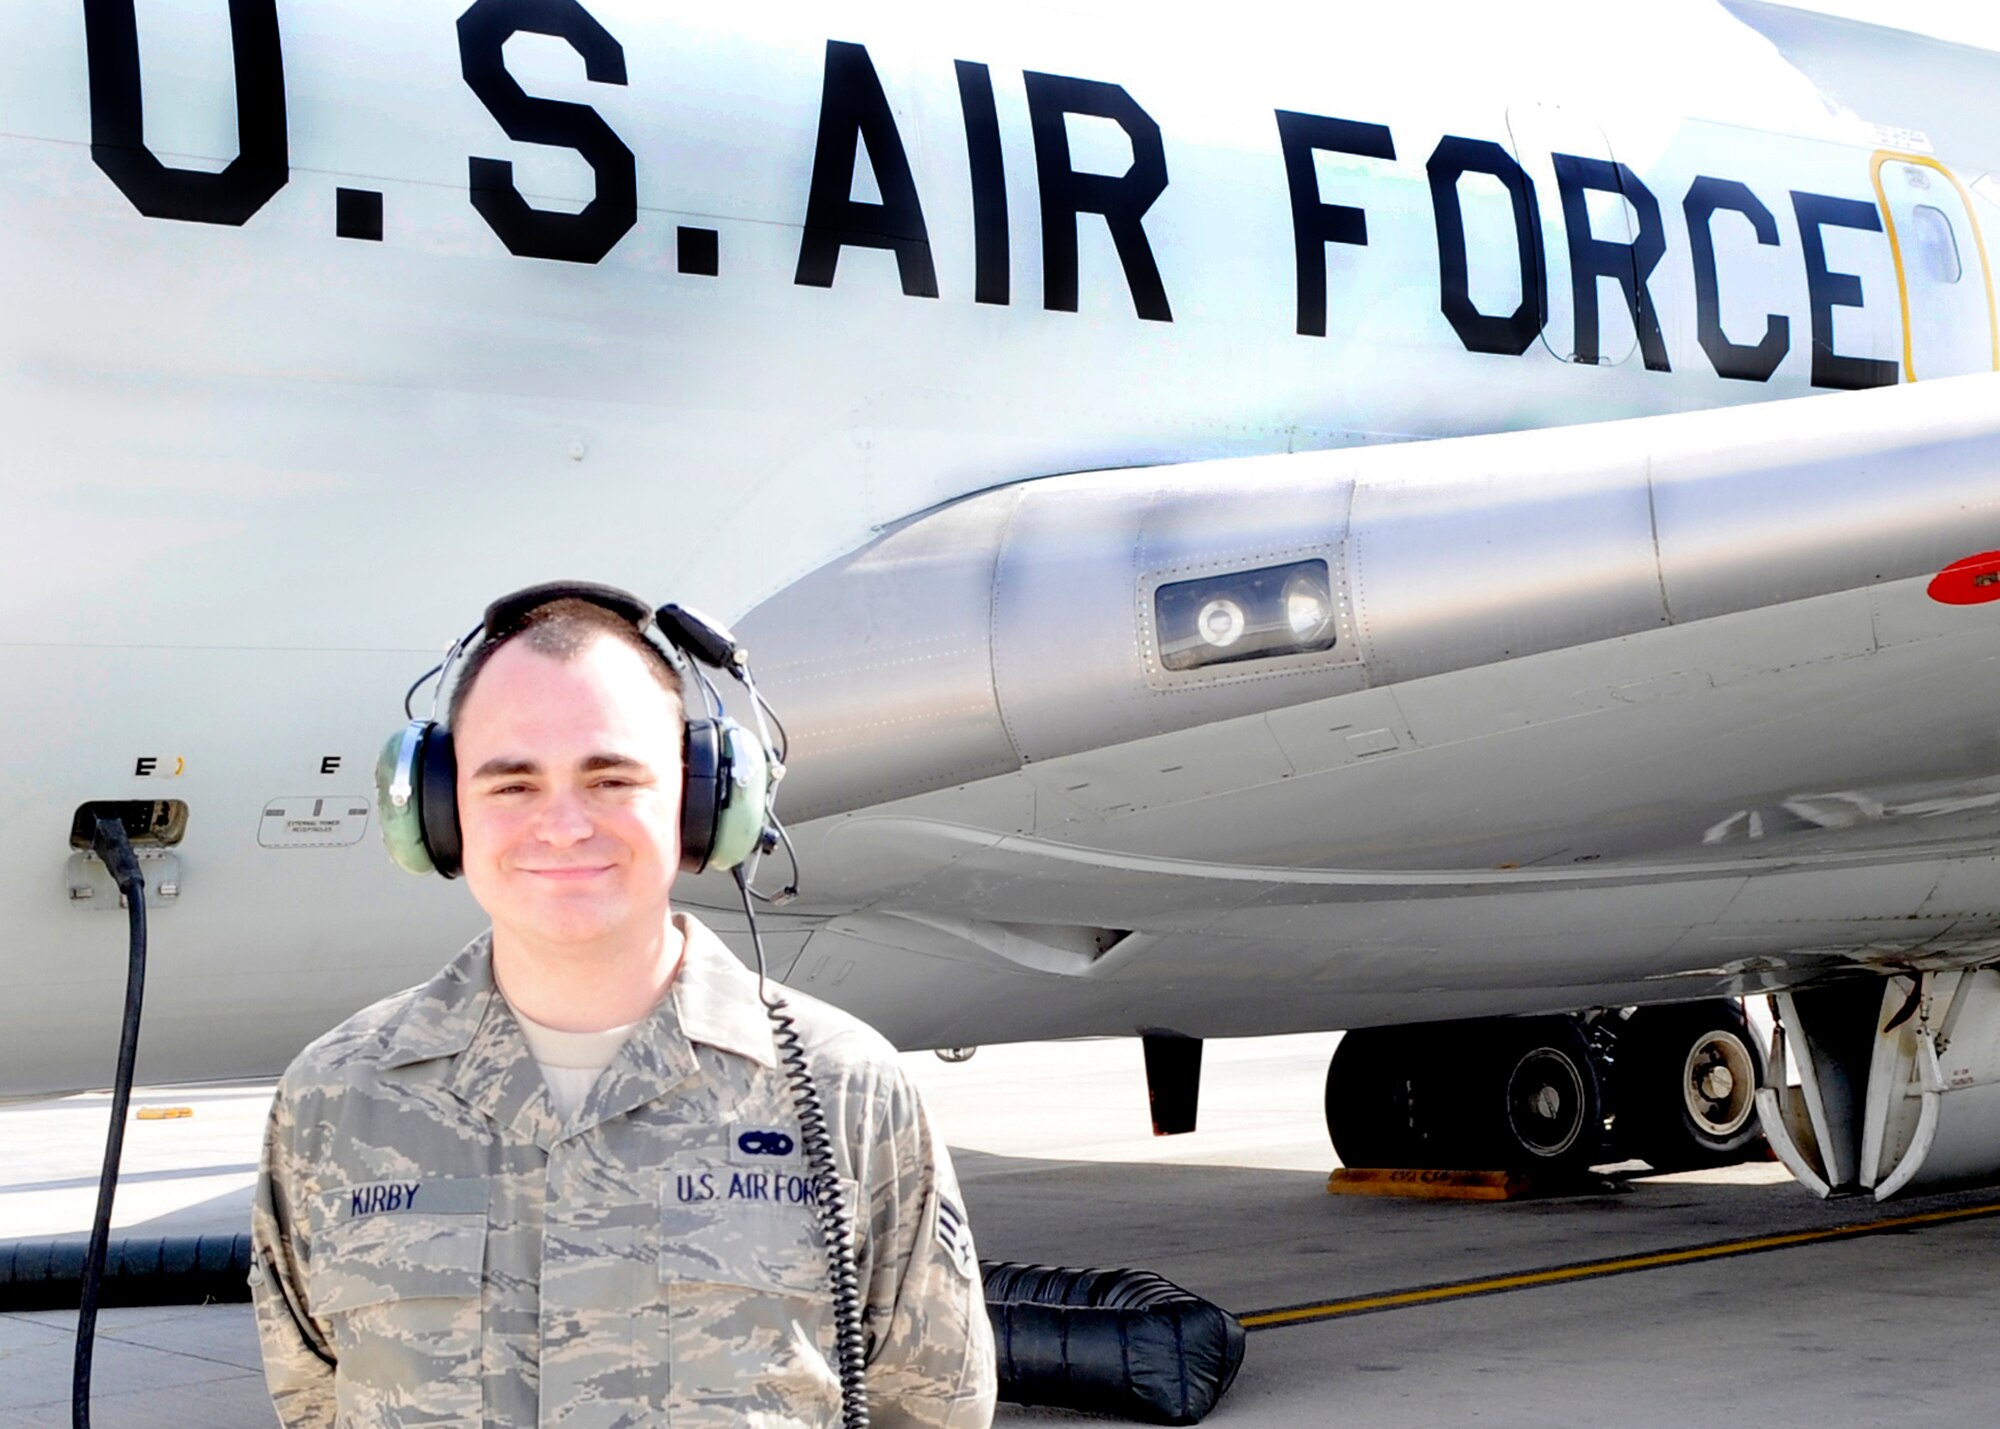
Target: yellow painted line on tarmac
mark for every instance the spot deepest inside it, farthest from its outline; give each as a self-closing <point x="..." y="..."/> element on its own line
<point x="1593" y="1269"/>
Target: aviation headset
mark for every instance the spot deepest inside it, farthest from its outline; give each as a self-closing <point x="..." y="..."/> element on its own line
<point x="727" y="773"/>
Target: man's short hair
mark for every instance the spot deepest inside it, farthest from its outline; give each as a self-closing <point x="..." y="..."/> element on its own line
<point x="563" y="630"/>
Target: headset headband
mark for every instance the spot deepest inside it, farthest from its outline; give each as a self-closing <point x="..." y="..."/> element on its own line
<point x="513" y="609"/>
<point x="510" y="612"/>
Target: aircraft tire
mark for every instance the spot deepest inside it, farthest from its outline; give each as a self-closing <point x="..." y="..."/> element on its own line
<point x="1369" y="1098"/>
<point x="1688" y="1078"/>
<point x="1408" y="1097"/>
<point x="1548" y="1115"/>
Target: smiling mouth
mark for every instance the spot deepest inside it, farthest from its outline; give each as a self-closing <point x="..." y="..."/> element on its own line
<point x="568" y="875"/>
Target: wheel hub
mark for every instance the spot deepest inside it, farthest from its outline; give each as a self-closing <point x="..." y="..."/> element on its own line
<point x="1720" y="1084"/>
<point x="1545" y="1100"/>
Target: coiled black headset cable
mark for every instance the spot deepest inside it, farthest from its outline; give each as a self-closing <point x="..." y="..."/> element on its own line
<point x="114" y="847"/>
<point x="836" y="1218"/>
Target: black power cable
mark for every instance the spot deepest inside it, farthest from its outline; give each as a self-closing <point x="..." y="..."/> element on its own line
<point x="114" y="847"/>
<point x="836" y="1218"/>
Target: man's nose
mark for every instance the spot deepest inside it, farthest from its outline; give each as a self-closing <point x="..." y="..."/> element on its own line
<point x="564" y="820"/>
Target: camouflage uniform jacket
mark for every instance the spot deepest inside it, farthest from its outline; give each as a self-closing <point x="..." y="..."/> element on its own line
<point x="434" y="1247"/>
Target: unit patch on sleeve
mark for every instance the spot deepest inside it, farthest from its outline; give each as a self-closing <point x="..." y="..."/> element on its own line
<point x="956" y="1239"/>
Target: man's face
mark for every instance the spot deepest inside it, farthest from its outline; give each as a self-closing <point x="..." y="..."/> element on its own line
<point x="569" y="798"/>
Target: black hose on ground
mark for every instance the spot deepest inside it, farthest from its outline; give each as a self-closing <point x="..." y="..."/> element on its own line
<point x="1122" y="1342"/>
<point x="112" y="845"/>
<point x="47" y="1274"/>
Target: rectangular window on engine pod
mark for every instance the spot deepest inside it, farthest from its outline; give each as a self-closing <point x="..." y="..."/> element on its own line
<point x="1246" y="615"/>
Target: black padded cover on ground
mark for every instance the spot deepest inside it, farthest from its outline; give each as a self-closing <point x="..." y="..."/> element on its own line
<point x="1123" y="1342"/>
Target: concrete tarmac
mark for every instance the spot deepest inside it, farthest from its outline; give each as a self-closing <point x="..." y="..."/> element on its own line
<point x="1059" y="1166"/>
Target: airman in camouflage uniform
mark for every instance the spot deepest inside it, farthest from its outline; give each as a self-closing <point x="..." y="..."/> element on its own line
<point x="435" y="1247"/>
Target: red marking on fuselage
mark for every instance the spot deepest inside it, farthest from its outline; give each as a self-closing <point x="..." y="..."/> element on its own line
<point x="1972" y="581"/>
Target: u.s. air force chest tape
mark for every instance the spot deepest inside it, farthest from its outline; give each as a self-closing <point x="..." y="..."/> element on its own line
<point x="752" y="1219"/>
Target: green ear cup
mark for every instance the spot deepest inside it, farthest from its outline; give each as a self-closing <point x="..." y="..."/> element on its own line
<point x="725" y="788"/>
<point x="746" y="798"/>
<point x="396" y="798"/>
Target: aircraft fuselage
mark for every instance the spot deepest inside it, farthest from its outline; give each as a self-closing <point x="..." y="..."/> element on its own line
<point x="322" y="325"/>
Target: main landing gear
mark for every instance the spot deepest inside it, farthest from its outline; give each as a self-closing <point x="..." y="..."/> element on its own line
<point x="1674" y="1086"/>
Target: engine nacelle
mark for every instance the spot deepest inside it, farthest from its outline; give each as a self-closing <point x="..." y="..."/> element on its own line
<point x="1084" y="611"/>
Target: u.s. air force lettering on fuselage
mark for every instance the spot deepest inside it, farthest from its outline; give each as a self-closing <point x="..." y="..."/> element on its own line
<point x="856" y="119"/>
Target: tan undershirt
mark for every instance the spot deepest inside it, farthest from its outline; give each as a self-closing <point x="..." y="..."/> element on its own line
<point x="571" y="1062"/>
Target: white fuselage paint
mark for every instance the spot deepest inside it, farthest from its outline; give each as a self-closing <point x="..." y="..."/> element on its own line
<point x="256" y="475"/>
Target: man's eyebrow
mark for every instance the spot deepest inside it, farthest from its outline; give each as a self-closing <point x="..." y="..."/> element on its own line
<point x="503" y="767"/>
<point x="512" y="766"/>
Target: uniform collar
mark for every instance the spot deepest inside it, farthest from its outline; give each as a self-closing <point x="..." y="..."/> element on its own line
<point x="711" y="1000"/>
<point x="460" y="1014"/>
<point x="440" y="1020"/>
<point x="715" y="997"/>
